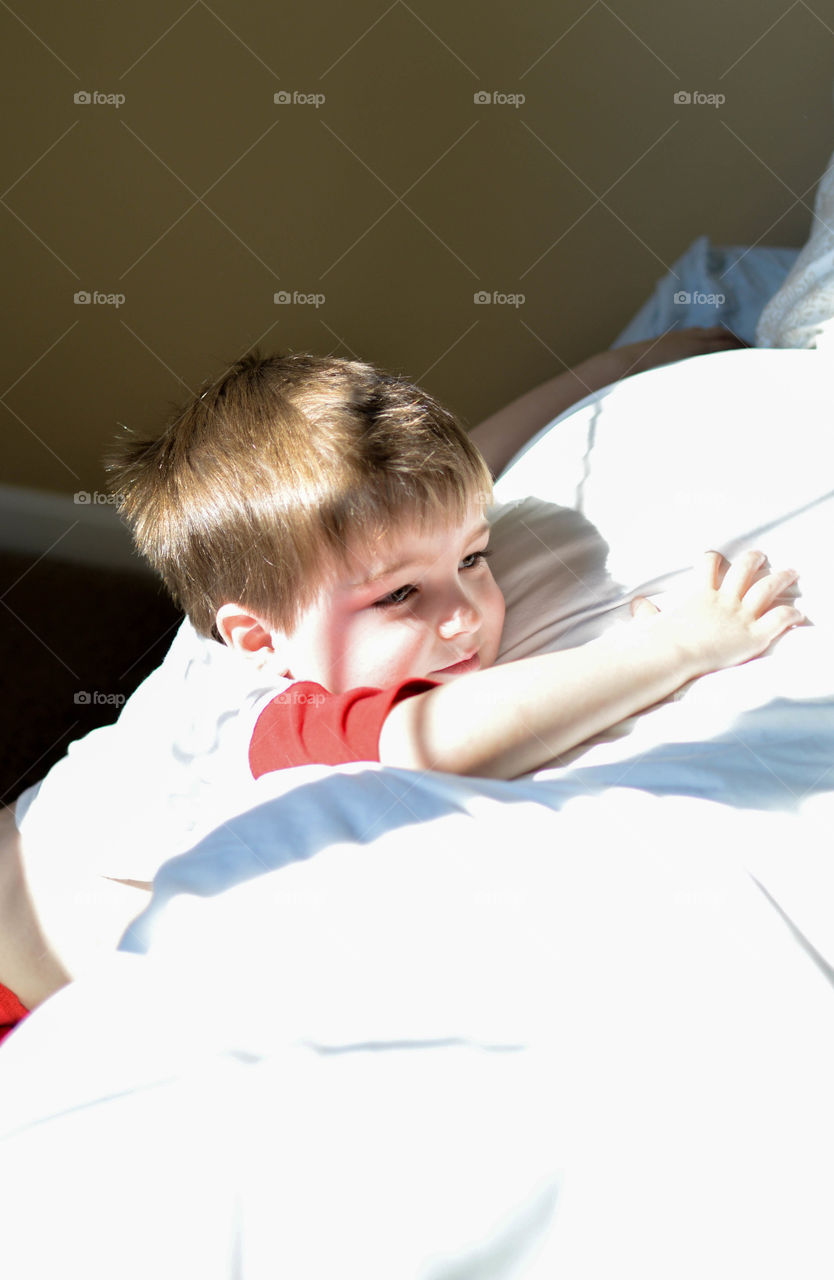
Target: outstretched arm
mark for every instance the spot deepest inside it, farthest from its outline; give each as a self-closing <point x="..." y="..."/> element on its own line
<point x="514" y="718"/>
<point x="500" y="436"/>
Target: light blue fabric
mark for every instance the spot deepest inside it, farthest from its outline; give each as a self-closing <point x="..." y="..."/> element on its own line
<point x="712" y="285"/>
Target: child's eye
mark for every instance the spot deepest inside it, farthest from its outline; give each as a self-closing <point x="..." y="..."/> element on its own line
<point x="404" y="593"/>
<point x="395" y="597"/>
<point x="477" y="557"/>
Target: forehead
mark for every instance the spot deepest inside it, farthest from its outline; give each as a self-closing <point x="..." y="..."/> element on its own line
<point x="411" y="543"/>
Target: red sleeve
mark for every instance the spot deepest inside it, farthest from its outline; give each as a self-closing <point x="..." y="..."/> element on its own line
<point x="11" y="1011"/>
<point x="307" y="725"/>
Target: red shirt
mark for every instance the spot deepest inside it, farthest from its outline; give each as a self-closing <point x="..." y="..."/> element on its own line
<point x="307" y="725"/>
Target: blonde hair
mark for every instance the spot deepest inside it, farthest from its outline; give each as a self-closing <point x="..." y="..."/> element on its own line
<point x="254" y="488"/>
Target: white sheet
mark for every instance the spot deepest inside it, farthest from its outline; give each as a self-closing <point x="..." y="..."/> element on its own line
<point x="713" y="284"/>
<point x="581" y="1024"/>
<point x="801" y="313"/>
<point x="442" y="1051"/>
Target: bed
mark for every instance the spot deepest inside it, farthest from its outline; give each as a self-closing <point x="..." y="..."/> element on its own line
<point x="385" y="1023"/>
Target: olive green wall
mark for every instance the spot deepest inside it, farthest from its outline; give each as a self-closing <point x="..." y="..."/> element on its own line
<point x="391" y="201"/>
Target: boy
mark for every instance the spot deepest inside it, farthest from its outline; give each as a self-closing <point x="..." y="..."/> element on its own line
<point x="327" y="520"/>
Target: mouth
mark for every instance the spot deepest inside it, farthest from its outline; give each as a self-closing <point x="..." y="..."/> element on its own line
<point x="472" y="663"/>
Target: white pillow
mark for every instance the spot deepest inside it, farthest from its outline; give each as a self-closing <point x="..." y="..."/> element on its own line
<point x="727" y="451"/>
<point x="801" y="314"/>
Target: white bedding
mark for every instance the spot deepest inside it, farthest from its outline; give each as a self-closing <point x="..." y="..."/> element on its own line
<point x="492" y="1042"/>
<point x="725" y="451"/>
<point x="580" y="1024"/>
<point x="714" y="284"/>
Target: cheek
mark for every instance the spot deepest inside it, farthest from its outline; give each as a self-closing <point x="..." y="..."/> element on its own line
<point x="493" y="610"/>
<point x="494" y="606"/>
<point x="380" y="650"/>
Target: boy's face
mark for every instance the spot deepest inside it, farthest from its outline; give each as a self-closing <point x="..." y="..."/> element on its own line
<point x="413" y="604"/>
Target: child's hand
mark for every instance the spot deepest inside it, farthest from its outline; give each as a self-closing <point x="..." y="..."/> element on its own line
<point x="732" y="617"/>
<point x="678" y="344"/>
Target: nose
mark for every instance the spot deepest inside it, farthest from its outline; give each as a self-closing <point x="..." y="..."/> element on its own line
<point x="461" y="618"/>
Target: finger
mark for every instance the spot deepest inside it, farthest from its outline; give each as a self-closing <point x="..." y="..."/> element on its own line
<point x="713" y="568"/>
<point x="762" y="594"/>
<point x="741" y="573"/>
<point x="643" y="608"/>
<point x="777" y="621"/>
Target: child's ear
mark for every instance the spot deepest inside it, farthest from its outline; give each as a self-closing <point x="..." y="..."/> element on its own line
<point x="246" y="633"/>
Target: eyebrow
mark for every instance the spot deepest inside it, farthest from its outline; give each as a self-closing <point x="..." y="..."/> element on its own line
<point x="403" y="563"/>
